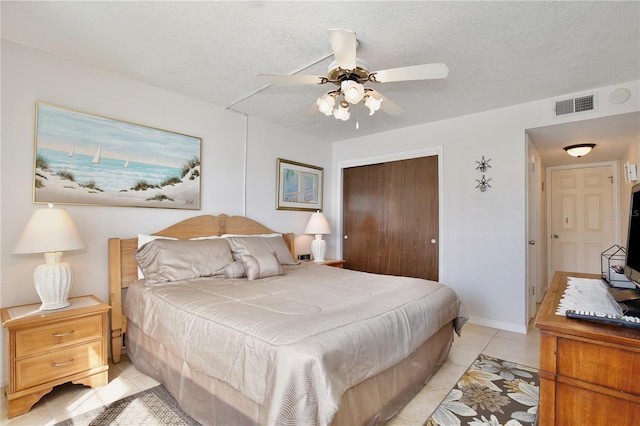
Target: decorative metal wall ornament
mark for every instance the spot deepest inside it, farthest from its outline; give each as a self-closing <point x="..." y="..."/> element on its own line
<point x="483" y="165"/>
<point x="483" y="184"/>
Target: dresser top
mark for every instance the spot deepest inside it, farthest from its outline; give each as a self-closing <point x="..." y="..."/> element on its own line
<point x="548" y="320"/>
<point x="24" y="314"/>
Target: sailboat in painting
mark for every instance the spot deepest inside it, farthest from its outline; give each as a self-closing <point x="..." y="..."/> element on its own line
<point x="96" y="158"/>
<point x="126" y="163"/>
<point x="73" y="151"/>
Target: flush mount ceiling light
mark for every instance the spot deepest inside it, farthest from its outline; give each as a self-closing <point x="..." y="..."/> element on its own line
<point x="351" y="74"/>
<point x="580" y="149"/>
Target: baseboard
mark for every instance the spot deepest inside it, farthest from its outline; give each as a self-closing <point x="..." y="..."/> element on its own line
<point x="506" y="326"/>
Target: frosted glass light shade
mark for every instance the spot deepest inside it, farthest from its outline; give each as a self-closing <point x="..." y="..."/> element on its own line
<point x="51" y="231"/>
<point x="372" y="103"/>
<point x="325" y="104"/>
<point x="353" y="91"/>
<point x="342" y="112"/>
<point x="580" y="149"/>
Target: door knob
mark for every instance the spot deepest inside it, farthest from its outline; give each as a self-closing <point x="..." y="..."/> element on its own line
<point x="433" y="241"/>
<point x="555" y="236"/>
<point x="346" y="237"/>
<point x="532" y="242"/>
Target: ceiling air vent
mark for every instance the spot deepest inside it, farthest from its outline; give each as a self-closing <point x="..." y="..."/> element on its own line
<point x="579" y="104"/>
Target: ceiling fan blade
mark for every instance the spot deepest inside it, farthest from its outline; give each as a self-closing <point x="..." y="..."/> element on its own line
<point x="343" y="44"/>
<point x="290" y="79"/>
<point x="387" y="106"/>
<point x="416" y="72"/>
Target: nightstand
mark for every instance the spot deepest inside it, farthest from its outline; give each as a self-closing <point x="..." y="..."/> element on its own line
<point x="48" y="348"/>
<point x="336" y="263"/>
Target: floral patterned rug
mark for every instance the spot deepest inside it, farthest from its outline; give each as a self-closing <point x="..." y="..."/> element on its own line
<point x="491" y="392"/>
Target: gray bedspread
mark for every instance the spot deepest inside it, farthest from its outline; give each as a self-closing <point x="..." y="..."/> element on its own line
<point x="294" y="343"/>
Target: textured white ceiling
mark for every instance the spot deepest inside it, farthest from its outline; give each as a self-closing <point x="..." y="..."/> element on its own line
<point x="498" y="53"/>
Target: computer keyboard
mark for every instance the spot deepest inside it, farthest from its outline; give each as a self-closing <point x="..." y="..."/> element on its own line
<point x="622" y="320"/>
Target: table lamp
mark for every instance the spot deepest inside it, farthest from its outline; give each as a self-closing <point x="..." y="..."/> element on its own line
<point x="318" y="225"/>
<point x="51" y="231"/>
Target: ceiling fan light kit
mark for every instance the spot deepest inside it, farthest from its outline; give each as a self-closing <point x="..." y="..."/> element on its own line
<point x="350" y="74"/>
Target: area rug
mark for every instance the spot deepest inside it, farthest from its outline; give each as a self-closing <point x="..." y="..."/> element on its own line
<point x="491" y="392"/>
<point x="154" y="406"/>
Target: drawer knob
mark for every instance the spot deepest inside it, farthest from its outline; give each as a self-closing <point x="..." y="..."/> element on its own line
<point x="64" y="334"/>
<point x="61" y="364"/>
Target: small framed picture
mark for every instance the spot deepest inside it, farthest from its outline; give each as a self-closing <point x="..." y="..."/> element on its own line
<point x="299" y="186"/>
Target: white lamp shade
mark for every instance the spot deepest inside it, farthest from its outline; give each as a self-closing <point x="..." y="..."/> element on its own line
<point x="317" y="224"/>
<point x="49" y="230"/>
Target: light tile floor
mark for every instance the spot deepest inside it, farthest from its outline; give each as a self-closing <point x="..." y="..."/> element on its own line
<point x="69" y="400"/>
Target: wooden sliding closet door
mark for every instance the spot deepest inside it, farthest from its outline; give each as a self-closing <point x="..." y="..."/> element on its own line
<point x="391" y="218"/>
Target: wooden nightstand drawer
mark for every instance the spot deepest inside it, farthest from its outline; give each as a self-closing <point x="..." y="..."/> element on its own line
<point x="34" y="341"/>
<point x="43" y="368"/>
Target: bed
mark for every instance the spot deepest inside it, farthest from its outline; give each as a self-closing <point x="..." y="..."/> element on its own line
<point x="268" y="341"/>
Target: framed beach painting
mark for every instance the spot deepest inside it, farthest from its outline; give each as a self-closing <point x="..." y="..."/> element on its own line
<point x="299" y="186"/>
<point x="88" y="159"/>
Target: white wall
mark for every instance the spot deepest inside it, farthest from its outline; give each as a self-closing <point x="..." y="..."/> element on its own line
<point x="484" y="234"/>
<point x="29" y="76"/>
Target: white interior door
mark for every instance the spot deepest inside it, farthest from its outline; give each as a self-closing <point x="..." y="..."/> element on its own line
<point x="582" y="226"/>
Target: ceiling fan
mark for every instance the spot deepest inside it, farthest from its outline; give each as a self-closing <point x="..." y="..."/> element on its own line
<point x="350" y="74"/>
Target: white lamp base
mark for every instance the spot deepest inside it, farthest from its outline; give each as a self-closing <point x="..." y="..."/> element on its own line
<point x="53" y="281"/>
<point x="318" y="248"/>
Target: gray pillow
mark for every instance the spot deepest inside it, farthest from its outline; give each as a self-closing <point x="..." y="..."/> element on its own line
<point x="235" y="270"/>
<point x="262" y="266"/>
<point x="173" y="260"/>
<point x="261" y="245"/>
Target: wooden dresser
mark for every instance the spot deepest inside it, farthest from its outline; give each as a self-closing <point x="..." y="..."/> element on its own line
<point x="589" y="372"/>
<point x="48" y="348"/>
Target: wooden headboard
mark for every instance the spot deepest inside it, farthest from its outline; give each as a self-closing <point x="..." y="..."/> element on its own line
<point x="123" y="269"/>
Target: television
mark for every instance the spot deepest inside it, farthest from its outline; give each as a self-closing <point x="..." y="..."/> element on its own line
<point x="632" y="258"/>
